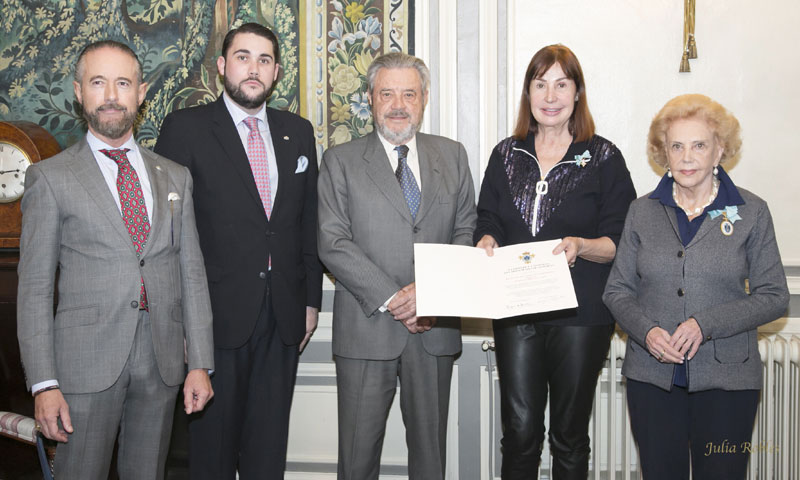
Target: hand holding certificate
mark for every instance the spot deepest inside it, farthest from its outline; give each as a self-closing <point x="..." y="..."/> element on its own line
<point x="454" y="280"/>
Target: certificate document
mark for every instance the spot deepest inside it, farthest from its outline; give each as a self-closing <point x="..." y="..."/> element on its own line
<point x="459" y="281"/>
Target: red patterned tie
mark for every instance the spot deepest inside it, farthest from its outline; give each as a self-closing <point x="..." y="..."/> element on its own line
<point x="259" y="163"/>
<point x="134" y="210"/>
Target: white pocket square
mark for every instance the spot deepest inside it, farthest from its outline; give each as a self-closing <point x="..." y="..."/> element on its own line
<point x="302" y="164"/>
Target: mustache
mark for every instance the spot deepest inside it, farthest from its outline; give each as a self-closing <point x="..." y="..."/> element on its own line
<point x="112" y="106"/>
<point x="252" y="79"/>
<point x="397" y="113"/>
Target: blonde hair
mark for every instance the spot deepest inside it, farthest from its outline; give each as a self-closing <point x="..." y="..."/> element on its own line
<point x="722" y="122"/>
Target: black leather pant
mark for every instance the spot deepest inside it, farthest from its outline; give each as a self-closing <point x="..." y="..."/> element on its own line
<point x="567" y="359"/>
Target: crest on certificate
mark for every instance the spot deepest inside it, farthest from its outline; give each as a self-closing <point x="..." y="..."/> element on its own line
<point x="526" y="257"/>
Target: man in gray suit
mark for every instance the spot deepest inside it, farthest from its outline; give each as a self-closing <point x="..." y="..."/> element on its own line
<point x="379" y="195"/>
<point x="117" y="222"/>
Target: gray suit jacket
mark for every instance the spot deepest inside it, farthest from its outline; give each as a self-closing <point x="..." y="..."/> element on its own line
<point x="655" y="281"/>
<point x="70" y="222"/>
<point x="367" y="236"/>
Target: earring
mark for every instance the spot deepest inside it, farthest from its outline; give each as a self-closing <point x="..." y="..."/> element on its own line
<point x="716" y="171"/>
<point x="576" y="98"/>
<point x="669" y="172"/>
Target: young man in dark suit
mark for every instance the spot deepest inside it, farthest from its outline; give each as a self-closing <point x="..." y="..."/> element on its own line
<point x="255" y="171"/>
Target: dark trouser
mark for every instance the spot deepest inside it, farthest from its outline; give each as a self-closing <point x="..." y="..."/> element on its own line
<point x="716" y="426"/>
<point x="246" y="424"/>
<point x="530" y="358"/>
<point x="139" y="406"/>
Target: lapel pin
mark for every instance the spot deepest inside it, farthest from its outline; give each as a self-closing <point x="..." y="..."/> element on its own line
<point x="158" y="167"/>
<point x="286" y="137"/>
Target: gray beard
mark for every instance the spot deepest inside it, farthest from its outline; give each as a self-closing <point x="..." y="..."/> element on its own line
<point x="398" y="138"/>
<point x="113" y="129"/>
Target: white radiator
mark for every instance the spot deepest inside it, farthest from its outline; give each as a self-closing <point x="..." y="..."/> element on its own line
<point x="776" y="436"/>
<point x="775" y="445"/>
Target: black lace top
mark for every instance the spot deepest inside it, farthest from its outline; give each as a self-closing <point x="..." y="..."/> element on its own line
<point x="586" y="194"/>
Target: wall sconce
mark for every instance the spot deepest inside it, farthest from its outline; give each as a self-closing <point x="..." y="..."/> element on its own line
<point x="689" y="43"/>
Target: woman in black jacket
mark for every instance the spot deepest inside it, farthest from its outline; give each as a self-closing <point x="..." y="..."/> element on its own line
<point x="554" y="179"/>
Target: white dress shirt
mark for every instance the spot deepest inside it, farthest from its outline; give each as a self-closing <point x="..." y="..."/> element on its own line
<point x="110" y="169"/>
<point x="239" y="116"/>
<point x="412" y="158"/>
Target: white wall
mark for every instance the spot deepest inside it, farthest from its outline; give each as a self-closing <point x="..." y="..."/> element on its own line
<point x="630" y="51"/>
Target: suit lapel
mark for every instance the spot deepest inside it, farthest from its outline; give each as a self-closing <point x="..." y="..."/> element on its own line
<point x="281" y="142"/>
<point x="85" y="169"/>
<point x="159" y="183"/>
<point x="673" y="220"/>
<point x="231" y="143"/>
<point x="430" y="173"/>
<point x="707" y="226"/>
<point x="379" y="171"/>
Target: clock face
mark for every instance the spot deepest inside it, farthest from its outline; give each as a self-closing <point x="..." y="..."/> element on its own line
<point x="13" y="163"/>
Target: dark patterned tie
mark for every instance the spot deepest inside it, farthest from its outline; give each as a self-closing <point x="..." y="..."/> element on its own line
<point x="134" y="210"/>
<point x="407" y="181"/>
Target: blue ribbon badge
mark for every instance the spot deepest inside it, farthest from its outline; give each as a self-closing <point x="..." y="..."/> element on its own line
<point x="580" y="160"/>
<point x="731" y="213"/>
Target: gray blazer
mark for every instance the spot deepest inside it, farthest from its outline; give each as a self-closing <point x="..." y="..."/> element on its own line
<point x="70" y="222"/>
<point x="655" y="281"/>
<point x="367" y="236"/>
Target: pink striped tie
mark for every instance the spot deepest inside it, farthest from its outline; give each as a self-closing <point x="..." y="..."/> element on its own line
<point x="259" y="163"/>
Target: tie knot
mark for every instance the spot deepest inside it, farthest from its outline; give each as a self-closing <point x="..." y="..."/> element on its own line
<point x="252" y="123"/>
<point x="402" y="152"/>
<point x="119" y="155"/>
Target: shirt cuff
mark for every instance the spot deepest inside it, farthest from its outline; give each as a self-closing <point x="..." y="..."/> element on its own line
<point x="385" y="306"/>
<point x="42" y="385"/>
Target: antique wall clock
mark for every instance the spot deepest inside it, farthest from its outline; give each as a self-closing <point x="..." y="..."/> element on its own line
<point x="21" y="145"/>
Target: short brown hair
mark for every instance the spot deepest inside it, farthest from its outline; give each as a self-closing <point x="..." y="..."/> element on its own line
<point x="581" y="124"/>
<point x="722" y="122"/>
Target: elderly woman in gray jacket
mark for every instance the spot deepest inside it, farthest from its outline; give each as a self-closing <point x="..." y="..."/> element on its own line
<point x="697" y="271"/>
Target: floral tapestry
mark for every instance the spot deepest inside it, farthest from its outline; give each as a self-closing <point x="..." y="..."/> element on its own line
<point x="325" y="46"/>
<point x="356" y="37"/>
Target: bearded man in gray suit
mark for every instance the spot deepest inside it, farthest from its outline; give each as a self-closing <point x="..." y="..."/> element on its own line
<point x="117" y="221"/>
<point x="379" y="195"/>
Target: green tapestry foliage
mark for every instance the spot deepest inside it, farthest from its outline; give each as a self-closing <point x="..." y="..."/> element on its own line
<point x="177" y="41"/>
